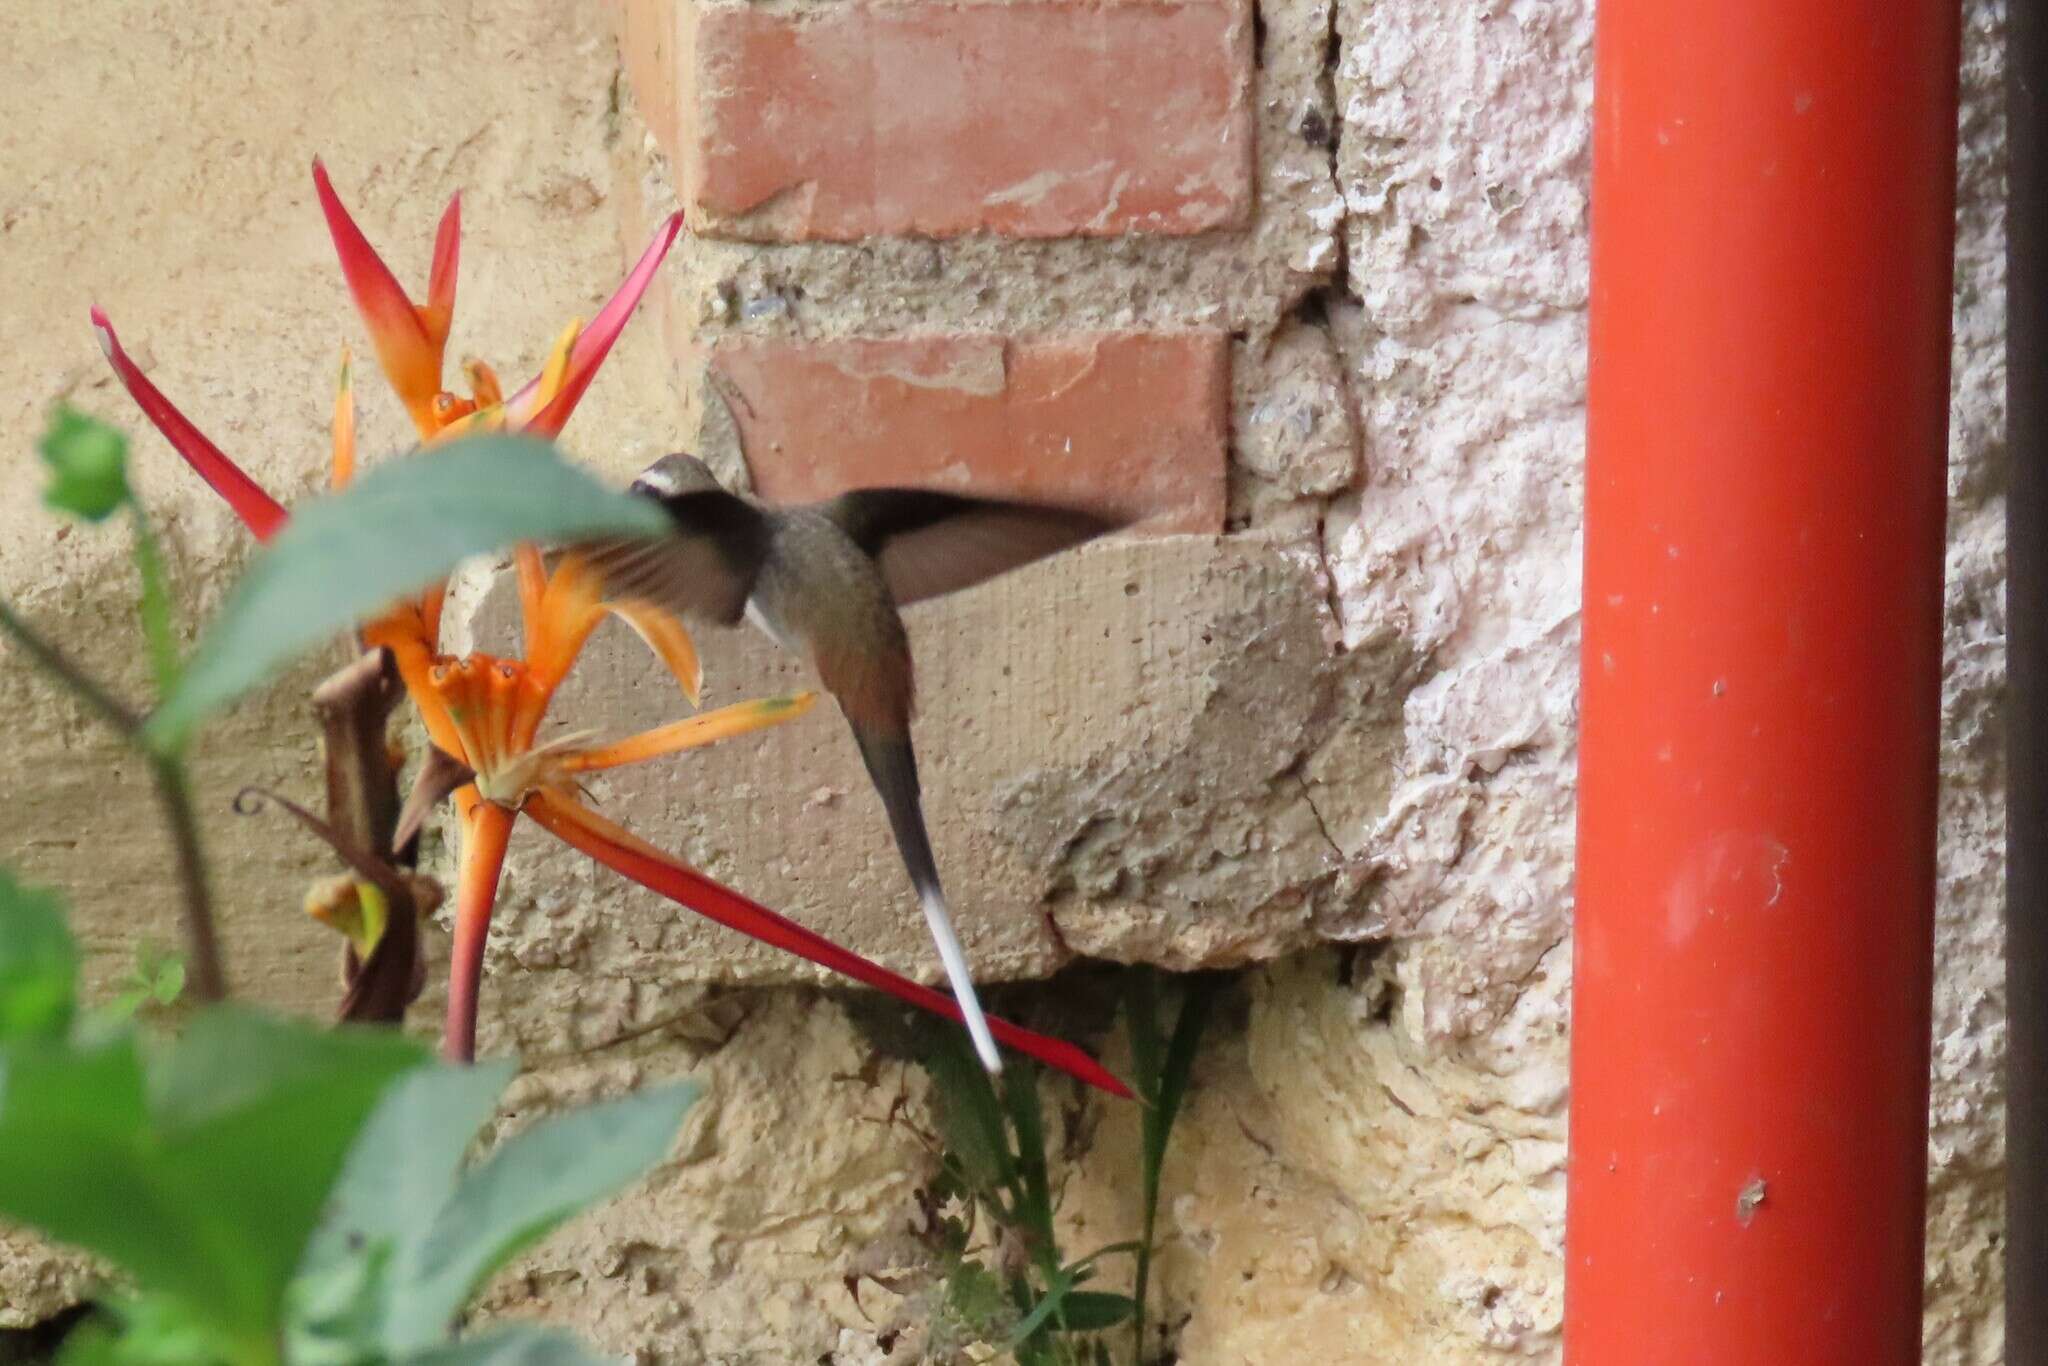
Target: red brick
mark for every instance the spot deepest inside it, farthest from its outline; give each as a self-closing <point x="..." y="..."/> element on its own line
<point x="1135" y="422"/>
<point x="1034" y="118"/>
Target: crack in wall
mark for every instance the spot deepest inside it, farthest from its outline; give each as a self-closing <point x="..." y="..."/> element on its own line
<point x="1287" y="475"/>
<point x="1308" y="797"/>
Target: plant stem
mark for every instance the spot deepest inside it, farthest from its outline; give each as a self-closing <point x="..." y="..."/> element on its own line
<point x="173" y="790"/>
<point x="1141" y="1023"/>
<point x="155" y="606"/>
<point x="486" y="829"/>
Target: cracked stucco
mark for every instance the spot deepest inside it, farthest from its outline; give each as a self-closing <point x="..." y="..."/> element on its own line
<point x="1337" y="745"/>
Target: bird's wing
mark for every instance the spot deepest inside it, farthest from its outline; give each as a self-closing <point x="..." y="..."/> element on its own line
<point x="704" y="567"/>
<point x="929" y="543"/>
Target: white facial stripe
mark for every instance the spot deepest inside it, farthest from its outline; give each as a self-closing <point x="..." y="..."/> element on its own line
<point x="658" y="481"/>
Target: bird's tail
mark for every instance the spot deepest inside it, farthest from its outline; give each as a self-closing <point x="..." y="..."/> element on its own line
<point x="893" y="767"/>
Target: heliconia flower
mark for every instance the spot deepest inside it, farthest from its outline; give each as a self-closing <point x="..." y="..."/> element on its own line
<point x="484" y="710"/>
<point x="409" y="339"/>
<point x="484" y="713"/>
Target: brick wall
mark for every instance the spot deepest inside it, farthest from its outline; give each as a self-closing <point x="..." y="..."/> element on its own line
<point x="1082" y="179"/>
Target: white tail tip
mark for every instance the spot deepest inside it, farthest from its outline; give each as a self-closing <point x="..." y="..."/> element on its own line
<point x="961" y="981"/>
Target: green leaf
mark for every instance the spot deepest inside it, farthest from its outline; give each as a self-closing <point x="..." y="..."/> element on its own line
<point x="38" y="963"/>
<point x="401" y="1172"/>
<point x="522" y="1346"/>
<point x="169" y="982"/>
<point x="1163" y="1077"/>
<point x="969" y="1115"/>
<point x="158" y="979"/>
<point x="204" y="1177"/>
<point x="1180" y="1064"/>
<point x="1091" y="1311"/>
<point x="256" y="1117"/>
<point x="533" y="1182"/>
<point x="120" y="1010"/>
<point x="974" y="1298"/>
<point x="71" y="1125"/>
<point x="79" y="1162"/>
<point x="1067" y="1310"/>
<point x="334" y="1313"/>
<point x="1141" y="1024"/>
<point x="1034" y="1206"/>
<point x="231" y="1060"/>
<point x="1055" y="1295"/>
<point x="1082" y="1269"/>
<point x="151" y="1330"/>
<point x="403" y="525"/>
<point x="88" y="463"/>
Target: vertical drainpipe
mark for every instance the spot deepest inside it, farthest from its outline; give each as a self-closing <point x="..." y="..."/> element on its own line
<point x="2026" y="610"/>
<point x="1773" y="238"/>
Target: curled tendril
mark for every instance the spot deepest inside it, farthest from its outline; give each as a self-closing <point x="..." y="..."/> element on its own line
<point x="251" y="801"/>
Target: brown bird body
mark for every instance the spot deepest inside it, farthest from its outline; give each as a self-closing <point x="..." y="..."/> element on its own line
<point x="826" y="581"/>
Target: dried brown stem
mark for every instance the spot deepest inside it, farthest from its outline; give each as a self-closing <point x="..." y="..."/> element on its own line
<point x="355" y="706"/>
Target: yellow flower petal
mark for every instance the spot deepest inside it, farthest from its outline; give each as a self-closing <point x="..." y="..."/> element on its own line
<point x="500" y="688"/>
<point x="416" y="670"/>
<point x="556" y="628"/>
<point x="533" y="584"/>
<point x="470" y="424"/>
<point x="569" y="611"/>
<point x="557" y="810"/>
<point x="431" y="603"/>
<point x="525" y="405"/>
<point x="666" y="636"/>
<point x="344" y="425"/>
<point x="354" y="907"/>
<point x="724" y="723"/>
<point x="483" y="383"/>
<point x="461" y="688"/>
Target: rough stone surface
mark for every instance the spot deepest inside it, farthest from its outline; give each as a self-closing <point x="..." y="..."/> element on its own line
<point x="1966" y="1195"/>
<point x="1133" y="423"/>
<point x="1048" y="118"/>
<point x="1372" y="745"/>
<point x="1091" y="783"/>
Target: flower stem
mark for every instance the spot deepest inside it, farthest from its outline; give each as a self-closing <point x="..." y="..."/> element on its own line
<point x="173" y="790"/>
<point x="486" y="830"/>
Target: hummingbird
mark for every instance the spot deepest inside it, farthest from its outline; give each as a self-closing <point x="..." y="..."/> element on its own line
<point x="826" y="581"/>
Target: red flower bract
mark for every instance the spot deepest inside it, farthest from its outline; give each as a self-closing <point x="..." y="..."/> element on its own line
<point x="486" y="712"/>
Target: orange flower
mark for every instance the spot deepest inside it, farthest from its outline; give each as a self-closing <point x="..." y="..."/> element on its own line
<point x="485" y="712"/>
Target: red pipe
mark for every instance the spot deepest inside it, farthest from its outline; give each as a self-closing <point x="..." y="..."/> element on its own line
<point x="1773" y="244"/>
